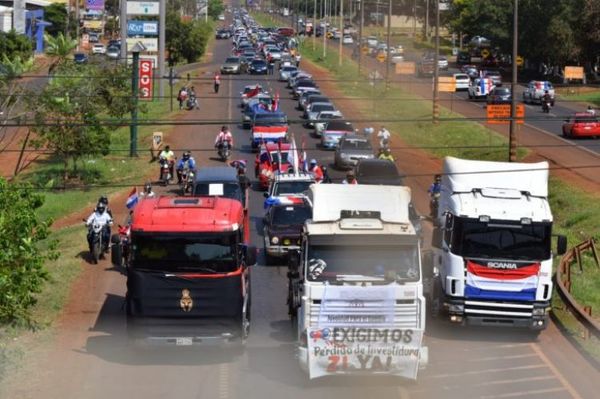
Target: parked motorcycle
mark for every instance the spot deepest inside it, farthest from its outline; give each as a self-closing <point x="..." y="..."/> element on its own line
<point x="166" y="167"/>
<point x="224" y="150"/>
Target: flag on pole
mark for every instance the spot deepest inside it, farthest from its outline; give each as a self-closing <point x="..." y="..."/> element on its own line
<point x="132" y="199"/>
<point x="276" y="102"/>
<point x="293" y="156"/>
<point x="253" y="92"/>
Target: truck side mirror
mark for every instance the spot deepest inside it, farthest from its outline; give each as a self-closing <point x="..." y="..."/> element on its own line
<point x="437" y="237"/>
<point x="293" y="260"/>
<point x="561" y="245"/>
<point x="250" y="255"/>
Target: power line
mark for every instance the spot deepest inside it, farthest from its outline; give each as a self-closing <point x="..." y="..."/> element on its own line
<point x="413" y="175"/>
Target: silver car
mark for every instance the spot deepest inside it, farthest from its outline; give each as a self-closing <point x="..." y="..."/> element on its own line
<point x="314" y="111"/>
<point x="284" y="72"/>
<point x="231" y="65"/>
<point x="322" y="120"/>
<point x="351" y="149"/>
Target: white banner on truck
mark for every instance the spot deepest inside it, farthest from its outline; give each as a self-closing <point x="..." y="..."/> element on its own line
<point x="364" y="350"/>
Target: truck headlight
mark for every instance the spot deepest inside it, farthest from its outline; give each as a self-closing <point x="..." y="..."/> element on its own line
<point x="538" y="311"/>
<point x="274" y="240"/>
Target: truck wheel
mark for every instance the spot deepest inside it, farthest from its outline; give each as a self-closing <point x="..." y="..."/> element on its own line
<point x="116" y="250"/>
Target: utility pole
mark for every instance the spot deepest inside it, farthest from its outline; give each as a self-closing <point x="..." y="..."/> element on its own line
<point x="427" y="20"/>
<point x="436" y="69"/>
<point x="314" y="28"/>
<point x="415" y="19"/>
<point x="123" y="24"/>
<point x="341" y="30"/>
<point x="77" y="22"/>
<point x="360" y="29"/>
<point x="134" y="93"/>
<point x="325" y="32"/>
<point x="388" y="55"/>
<point x="512" y="139"/>
<point x="161" y="45"/>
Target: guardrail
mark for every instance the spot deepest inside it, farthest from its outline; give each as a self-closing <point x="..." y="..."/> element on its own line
<point x="563" y="283"/>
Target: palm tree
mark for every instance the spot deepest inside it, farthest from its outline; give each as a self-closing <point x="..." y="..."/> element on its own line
<point x="59" y="48"/>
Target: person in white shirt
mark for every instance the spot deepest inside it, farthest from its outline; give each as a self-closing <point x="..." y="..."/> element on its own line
<point x="103" y="218"/>
<point x="148" y="193"/>
<point x="384" y="137"/>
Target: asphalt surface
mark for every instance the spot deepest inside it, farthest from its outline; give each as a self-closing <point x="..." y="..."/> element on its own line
<point x="90" y="357"/>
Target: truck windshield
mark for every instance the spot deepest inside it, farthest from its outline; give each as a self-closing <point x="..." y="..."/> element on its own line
<point x="389" y="262"/>
<point x="501" y="239"/>
<point x="209" y="253"/>
<point x="291" y="187"/>
<point x="291" y="215"/>
<point x="269" y="119"/>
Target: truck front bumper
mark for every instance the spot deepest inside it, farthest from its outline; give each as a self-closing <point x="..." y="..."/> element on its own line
<point x="279" y="251"/>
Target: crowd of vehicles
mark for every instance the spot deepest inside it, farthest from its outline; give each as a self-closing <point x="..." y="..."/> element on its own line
<point x="358" y="282"/>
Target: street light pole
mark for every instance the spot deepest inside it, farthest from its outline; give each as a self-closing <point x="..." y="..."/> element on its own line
<point x="427" y="20"/>
<point x="314" y="27"/>
<point x="134" y="110"/>
<point x="341" y="31"/>
<point x="360" y="29"/>
<point x="389" y="34"/>
<point x="325" y="32"/>
<point x="436" y="69"/>
<point x="512" y="139"/>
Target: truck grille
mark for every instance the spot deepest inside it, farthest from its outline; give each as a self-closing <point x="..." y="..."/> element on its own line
<point x="498" y="309"/>
<point x="356" y="313"/>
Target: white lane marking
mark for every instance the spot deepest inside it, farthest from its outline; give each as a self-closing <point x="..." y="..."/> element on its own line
<point x="224" y="381"/>
<point x="492" y="358"/>
<point x="496" y="370"/>
<point x="491" y="383"/>
<point x="523" y="393"/>
<point x="555" y="371"/>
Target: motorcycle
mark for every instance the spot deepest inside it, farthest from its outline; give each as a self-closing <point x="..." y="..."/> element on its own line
<point x="434" y="204"/>
<point x="192" y="102"/>
<point x="187" y="180"/>
<point x="96" y="244"/>
<point x="165" y="171"/>
<point x="120" y="246"/>
<point x="224" y="150"/>
<point x="546" y="105"/>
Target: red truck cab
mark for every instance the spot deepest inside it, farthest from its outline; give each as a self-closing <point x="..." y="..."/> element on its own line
<point x="188" y="277"/>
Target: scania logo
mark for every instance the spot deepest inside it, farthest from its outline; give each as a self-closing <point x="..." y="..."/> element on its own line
<point x="502" y="265"/>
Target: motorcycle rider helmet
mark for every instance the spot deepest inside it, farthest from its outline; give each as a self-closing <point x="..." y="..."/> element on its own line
<point x="148" y="187"/>
<point x="103" y="200"/>
<point x="313" y="162"/>
<point x="438" y="178"/>
<point x="186" y="155"/>
<point x="223" y="129"/>
<point x="100" y="208"/>
<point x="387" y="151"/>
<point x="167" y="148"/>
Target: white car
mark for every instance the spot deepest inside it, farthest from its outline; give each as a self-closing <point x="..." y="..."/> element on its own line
<point x="323" y="117"/>
<point x="462" y="81"/>
<point x="397" y="59"/>
<point x="347" y="39"/>
<point x="221" y="17"/>
<point x="98" y="48"/>
<point x="372" y="41"/>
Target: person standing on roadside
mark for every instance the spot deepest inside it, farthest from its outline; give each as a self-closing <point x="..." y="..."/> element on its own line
<point x="217" y="82"/>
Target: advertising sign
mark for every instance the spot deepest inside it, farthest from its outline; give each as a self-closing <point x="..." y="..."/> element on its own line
<point x="447" y="84"/>
<point x="574" y="72"/>
<point x="94" y="5"/>
<point x="145" y="84"/>
<point x="93" y="24"/>
<point x="142" y="28"/>
<point x="406" y="68"/>
<point x="151" y="44"/>
<point x="363" y="350"/>
<point x="142" y="7"/>
<point x="499" y="114"/>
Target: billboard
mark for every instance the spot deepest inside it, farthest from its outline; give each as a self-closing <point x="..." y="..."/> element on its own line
<point x="145" y="84"/>
<point x="142" y="7"/>
<point x="142" y="28"/>
<point x="151" y="44"/>
<point x="94" y="5"/>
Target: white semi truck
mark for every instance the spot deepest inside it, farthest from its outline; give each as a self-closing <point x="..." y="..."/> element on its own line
<point x="492" y="244"/>
<point x="355" y="286"/>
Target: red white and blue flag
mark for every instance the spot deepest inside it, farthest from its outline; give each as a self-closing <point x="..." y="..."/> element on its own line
<point x="132" y="199"/>
<point x="276" y="102"/>
<point x="293" y="157"/>
<point x="518" y="284"/>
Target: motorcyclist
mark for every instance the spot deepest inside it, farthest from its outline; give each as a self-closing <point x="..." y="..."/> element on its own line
<point x="182" y="96"/>
<point x="217" y="82"/>
<point x="591" y="110"/>
<point x="316" y="170"/>
<point x="104" y="219"/>
<point x="386" y="154"/>
<point x="546" y="100"/>
<point x="169" y="156"/>
<point x="224" y="136"/>
<point x="436" y="186"/>
<point x="148" y="193"/>
<point x="384" y="137"/>
<point x="192" y="99"/>
<point x="326" y="178"/>
<point x="186" y="160"/>
<point x="104" y="201"/>
<point x="350" y="178"/>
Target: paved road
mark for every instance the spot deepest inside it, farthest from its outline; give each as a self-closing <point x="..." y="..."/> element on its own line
<point x="90" y="357"/>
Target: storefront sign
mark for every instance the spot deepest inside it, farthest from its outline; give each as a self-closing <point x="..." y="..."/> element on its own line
<point x="145" y="85"/>
<point x="142" y="7"/>
<point x="142" y="28"/>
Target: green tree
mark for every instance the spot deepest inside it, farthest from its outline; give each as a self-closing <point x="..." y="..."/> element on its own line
<point x="215" y="8"/>
<point x="22" y="257"/>
<point x="13" y="44"/>
<point x="185" y="40"/>
<point x="68" y="112"/>
<point x="59" y="48"/>
<point x="56" y="13"/>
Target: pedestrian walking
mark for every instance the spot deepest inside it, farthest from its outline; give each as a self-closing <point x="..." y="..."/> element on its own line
<point x="217" y="82"/>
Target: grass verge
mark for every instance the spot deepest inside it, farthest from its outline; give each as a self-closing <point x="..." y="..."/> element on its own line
<point x="582" y="94"/>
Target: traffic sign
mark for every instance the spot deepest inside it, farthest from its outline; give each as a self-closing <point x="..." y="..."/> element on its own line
<point x="364" y="50"/>
<point x="406" y="68"/>
<point x="381" y="57"/>
<point x="447" y="84"/>
<point x="520" y="61"/>
<point x="499" y="114"/>
<point x="485" y="53"/>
